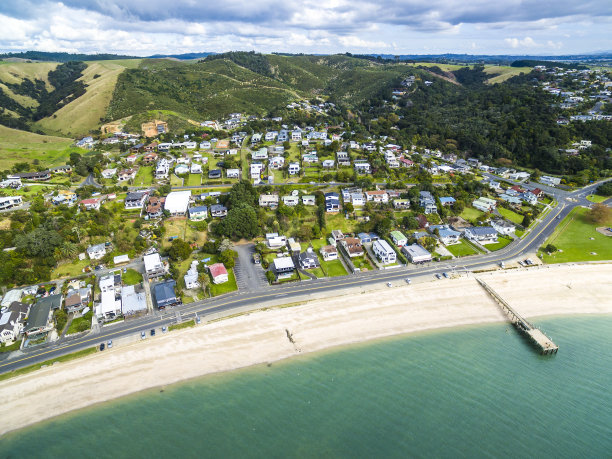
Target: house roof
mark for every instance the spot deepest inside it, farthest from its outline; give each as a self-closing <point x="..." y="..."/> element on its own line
<point x="415" y="250"/>
<point x="217" y="269"/>
<point x="283" y="263"/>
<point x="397" y="235"/>
<point x="39" y="313"/>
<point x="481" y="230"/>
<point x="164" y="291"/>
<point x="198" y="209"/>
<point x="177" y="201"/>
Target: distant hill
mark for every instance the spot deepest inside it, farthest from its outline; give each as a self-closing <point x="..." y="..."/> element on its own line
<point x="181" y="57"/>
<point x="42" y="56"/>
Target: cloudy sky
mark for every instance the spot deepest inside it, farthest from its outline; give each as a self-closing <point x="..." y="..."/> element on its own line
<point x="144" y="27"/>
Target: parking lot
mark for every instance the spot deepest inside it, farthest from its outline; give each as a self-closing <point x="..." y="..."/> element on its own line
<point x="249" y="276"/>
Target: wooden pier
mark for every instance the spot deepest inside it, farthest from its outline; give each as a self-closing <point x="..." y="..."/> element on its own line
<point x="535" y="335"/>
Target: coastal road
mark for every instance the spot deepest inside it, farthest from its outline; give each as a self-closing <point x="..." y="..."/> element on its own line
<point x="289" y="292"/>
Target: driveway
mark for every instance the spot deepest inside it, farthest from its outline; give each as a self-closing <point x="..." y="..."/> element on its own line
<point x="249" y="276"/>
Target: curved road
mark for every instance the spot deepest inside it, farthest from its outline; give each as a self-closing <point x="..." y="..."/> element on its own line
<point x="528" y="244"/>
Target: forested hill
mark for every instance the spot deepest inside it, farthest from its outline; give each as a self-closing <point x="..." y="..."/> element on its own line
<point x="43" y="56"/>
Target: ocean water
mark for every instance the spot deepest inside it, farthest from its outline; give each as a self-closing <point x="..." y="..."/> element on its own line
<point x="479" y="391"/>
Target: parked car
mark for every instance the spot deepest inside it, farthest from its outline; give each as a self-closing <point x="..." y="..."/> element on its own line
<point x="52" y="290"/>
<point x="102" y="346"/>
<point x="164" y="329"/>
<point x="408" y="281"/>
<point x="110" y="343"/>
<point x="438" y="276"/>
<point x="198" y="320"/>
<point x="389" y="284"/>
<point x="143" y="335"/>
<point x="152" y="332"/>
<point x="445" y="274"/>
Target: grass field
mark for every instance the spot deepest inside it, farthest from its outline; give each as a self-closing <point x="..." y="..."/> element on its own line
<point x="175" y="180"/>
<point x="80" y="324"/>
<point x="15" y="72"/>
<point x="193" y="180"/>
<point x="83" y="114"/>
<point x="470" y="214"/>
<point x="362" y="263"/>
<point x="576" y="238"/>
<point x="317" y="272"/>
<point x="70" y="269"/>
<point x="510" y="215"/>
<point x="227" y="287"/>
<point x="180" y="227"/>
<point x="144" y="176"/>
<point x="597" y="198"/>
<point x="462" y="249"/>
<point x="500" y="244"/>
<point x="21" y="146"/>
<point x="131" y="277"/>
<point x="501" y="73"/>
<point x="338" y="222"/>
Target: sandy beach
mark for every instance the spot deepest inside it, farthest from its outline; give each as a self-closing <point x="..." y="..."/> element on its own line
<point x="261" y="336"/>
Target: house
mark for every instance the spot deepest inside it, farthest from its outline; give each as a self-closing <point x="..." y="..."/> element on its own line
<point x="519" y="176"/>
<point x="291" y="201"/>
<point x="165" y="294"/>
<point x="310" y="158"/>
<point x="380" y="196"/>
<point x="308" y="200"/>
<point x="232" y="173"/>
<point x="135" y="199"/>
<point x="191" y="277"/>
<point x="368" y="237"/>
<point x="198" y="213"/>
<point x="218" y="210"/>
<point x="121" y="259"/>
<point x="398" y="238"/>
<point x="77" y="300"/>
<point x="294" y="168"/>
<point x="64" y="197"/>
<point x="401" y="203"/>
<point x="353" y="246"/>
<point x="40" y="317"/>
<point x="275" y="241"/>
<point x="177" y="203"/>
<point x="11" y="325"/>
<point x="132" y="301"/>
<point x="328" y="163"/>
<point x="484" y="204"/>
<point x="481" y="234"/>
<point x="539" y="193"/>
<point x="283" y="265"/>
<point x="67" y="169"/>
<point x="427" y="202"/>
<point x="502" y="226"/>
<point x="12" y="296"/>
<point x="416" y="254"/>
<point x="529" y="197"/>
<point x="446" y="235"/>
<point x="277" y="162"/>
<point x="96" y="252"/>
<point x="162" y="169"/>
<point x="260" y="155"/>
<point x="362" y="166"/>
<point x="205" y="145"/>
<point x="155" y="207"/>
<point x="296" y="135"/>
<point x="329" y="252"/>
<point x="196" y="168"/>
<point x="447" y="201"/>
<point x="270" y="136"/>
<point x="551" y="181"/>
<point x="150" y="158"/>
<point x="214" y="174"/>
<point x="256" y="138"/>
<point x="268" y="200"/>
<point x="332" y="202"/>
<point x="384" y="252"/>
<point x="38" y="176"/>
<point x="14" y="183"/>
<point x="343" y="158"/>
<point x="8" y="202"/>
<point x="91" y="204"/>
<point x="181" y="169"/>
<point x="154" y="266"/>
<point x="218" y="272"/>
<point x="294" y="247"/>
<point x="308" y="259"/>
<point x="131" y="159"/>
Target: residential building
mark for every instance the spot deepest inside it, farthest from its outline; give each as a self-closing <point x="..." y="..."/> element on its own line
<point x="401" y="203"/>
<point x="337" y="235"/>
<point x="218" y="210"/>
<point x="196" y="168"/>
<point x="177" y="203"/>
<point x="379" y="196"/>
<point x="446" y="235"/>
<point x="294" y="168"/>
<point x="328" y="163"/>
<point x="502" y="226"/>
<point x="329" y="252"/>
<point x="268" y="200"/>
<point x="274" y="240"/>
<point x="65" y="197"/>
<point x="96" y="252"/>
<point x="291" y="201"/>
<point x="8" y="202"/>
<point x="37" y="176"/>
<point x="135" y="199"/>
<point x="11" y="326"/>
<point x="416" y="254"/>
<point x="427" y="202"/>
<point x="154" y="266"/>
<point x="352" y="246"/>
<point x="550" y="181"/>
<point x="283" y="265"/>
<point x="484" y="204"/>
<point x="191" y="277"/>
<point x="155" y="207"/>
<point x="368" y="237"/>
<point x="198" y="213"/>
<point x="447" y="201"/>
<point x="40" y="317"/>
<point x="343" y="158"/>
<point x="232" y="173"/>
<point x="255" y="170"/>
<point x="308" y="259"/>
<point x="357" y="199"/>
<point x="384" y="252"/>
<point x="165" y="294"/>
<point x="218" y="272"/>
<point x="133" y="301"/>
<point x="91" y="204"/>
<point x="78" y="299"/>
<point x="362" y="166"/>
<point x="260" y="155"/>
<point x="162" y="169"/>
<point x="308" y="200"/>
<point x="277" y="162"/>
<point x="332" y="202"/>
<point x="398" y="238"/>
<point x="294" y="247"/>
<point x="481" y="234"/>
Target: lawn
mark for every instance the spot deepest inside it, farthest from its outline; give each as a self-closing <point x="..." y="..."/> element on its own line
<point x="193" y="180"/>
<point x="70" y="269"/>
<point x="597" y="198"/>
<point x="144" y="176"/>
<point x="471" y="214"/>
<point x="80" y="324"/>
<point x="576" y="238"/>
<point x="510" y="215"/>
<point x="180" y="227"/>
<point x="362" y="263"/>
<point x="227" y="287"/>
<point x="500" y="244"/>
<point x="175" y="180"/>
<point x="519" y="232"/>
<point x="338" y="222"/>
<point x="462" y="249"/>
<point x="131" y="277"/>
<point x="317" y="272"/>
<point x="19" y="146"/>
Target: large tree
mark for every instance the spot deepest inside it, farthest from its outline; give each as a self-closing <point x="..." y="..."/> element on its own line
<point x="241" y="222"/>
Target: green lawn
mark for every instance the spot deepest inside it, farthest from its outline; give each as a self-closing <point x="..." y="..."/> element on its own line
<point x="470" y="214"/>
<point x="131" y="277"/>
<point x="337" y="221"/>
<point x="193" y="180"/>
<point x="519" y="232"/>
<point x="80" y="324"/>
<point x="510" y="215"/>
<point x="175" y="180"/>
<point x="597" y="198"/>
<point x="317" y="272"/>
<point x="462" y="249"/>
<point x="227" y="287"/>
<point x="144" y="176"/>
<point x="334" y="268"/>
<point x="70" y="269"/>
<point x="13" y="347"/>
<point x="362" y="263"/>
<point x="573" y="239"/>
<point x="500" y="244"/>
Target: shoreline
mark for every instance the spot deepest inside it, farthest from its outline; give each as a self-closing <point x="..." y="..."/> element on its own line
<point x="260" y="337"/>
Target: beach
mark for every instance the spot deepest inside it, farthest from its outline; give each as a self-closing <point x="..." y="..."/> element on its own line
<point x="279" y="333"/>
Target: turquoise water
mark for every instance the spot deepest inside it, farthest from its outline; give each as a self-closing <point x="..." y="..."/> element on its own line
<point x="472" y="392"/>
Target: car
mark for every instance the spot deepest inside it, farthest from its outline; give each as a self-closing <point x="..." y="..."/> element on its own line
<point x="438" y="276"/>
<point x="445" y="274"/>
<point x="143" y="335"/>
<point x="164" y="329"/>
<point x="502" y="265"/>
<point x="528" y="262"/>
<point x="558" y="217"/>
<point x="110" y="343"/>
<point x="52" y="289"/>
<point x="408" y="281"/>
<point x="124" y="270"/>
<point x="389" y="284"/>
<point x="102" y="346"/>
<point x="152" y="332"/>
<point x="198" y="320"/>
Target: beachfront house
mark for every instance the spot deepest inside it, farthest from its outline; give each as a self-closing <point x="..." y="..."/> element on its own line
<point x="398" y="238"/>
<point x="384" y="252"/>
<point x="416" y="254"/>
<point x="481" y="234"/>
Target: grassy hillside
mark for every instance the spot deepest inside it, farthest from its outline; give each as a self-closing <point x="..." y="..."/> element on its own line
<point x="85" y="113"/>
<point x="20" y="146"/>
<point x="499" y="73"/>
<point x="16" y="72"/>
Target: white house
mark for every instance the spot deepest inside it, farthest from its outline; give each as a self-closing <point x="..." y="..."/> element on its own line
<point x="154" y="266"/>
<point x="398" y="238"/>
<point x="177" y="202"/>
<point x="481" y="234"/>
<point x="484" y="204"/>
<point x="296" y="135"/>
<point x="377" y="196"/>
<point x="268" y="200"/>
<point x="277" y="162"/>
<point x="256" y="169"/>
<point x="218" y="272"/>
<point x="502" y="226"/>
<point x="308" y="200"/>
<point x="260" y="154"/>
<point x="416" y="254"/>
<point x="95" y="252"/>
<point x="361" y="167"/>
<point x="329" y="252"/>
<point x="275" y="241"/>
<point x="109" y="173"/>
<point x="384" y="252"/>
<point x="357" y="199"/>
<point x="195" y="168"/>
<point x="551" y="181"/>
<point x="232" y="173"/>
<point x="328" y="163"/>
<point x="198" y="213"/>
<point x="191" y="278"/>
<point x="9" y="202"/>
<point x="291" y="201"/>
<point x="294" y="168"/>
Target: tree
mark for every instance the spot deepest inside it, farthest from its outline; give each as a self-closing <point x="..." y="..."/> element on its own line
<point x="410" y="223"/>
<point x="605" y="189"/>
<point x="228" y="258"/>
<point x="180" y="250"/>
<point x="348" y="207"/>
<point x="599" y="213"/>
<point x="270" y="276"/>
<point x="39" y="242"/>
<point x="242" y="193"/>
<point x="550" y="249"/>
<point x="241" y="222"/>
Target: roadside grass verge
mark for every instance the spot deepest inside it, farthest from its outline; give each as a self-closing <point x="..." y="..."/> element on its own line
<point x="187" y="324"/>
<point x="597" y="198"/>
<point x="36" y="366"/>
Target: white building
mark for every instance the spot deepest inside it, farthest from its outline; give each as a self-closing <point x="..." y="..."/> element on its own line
<point x="275" y="241"/>
<point x="177" y="202"/>
<point x="95" y="252"/>
<point x="9" y="202"/>
<point x="232" y="173"/>
<point x="191" y="278"/>
<point x="416" y="254"/>
<point x="551" y="181"/>
<point x="294" y="168"/>
<point x="384" y="252"/>
<point x="154" y="267"/>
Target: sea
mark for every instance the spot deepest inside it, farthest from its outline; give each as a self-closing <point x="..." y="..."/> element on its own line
<point x="478" y="391"/>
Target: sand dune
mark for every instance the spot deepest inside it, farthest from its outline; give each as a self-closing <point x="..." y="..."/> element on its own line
<point x="261" y="337"/>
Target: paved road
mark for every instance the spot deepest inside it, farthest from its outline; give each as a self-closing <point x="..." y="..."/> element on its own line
<point x="529" y="244"/>
<point x="90" y="181"/>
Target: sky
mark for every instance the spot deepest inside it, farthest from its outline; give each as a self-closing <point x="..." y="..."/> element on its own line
<point x="145" y="27"/>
